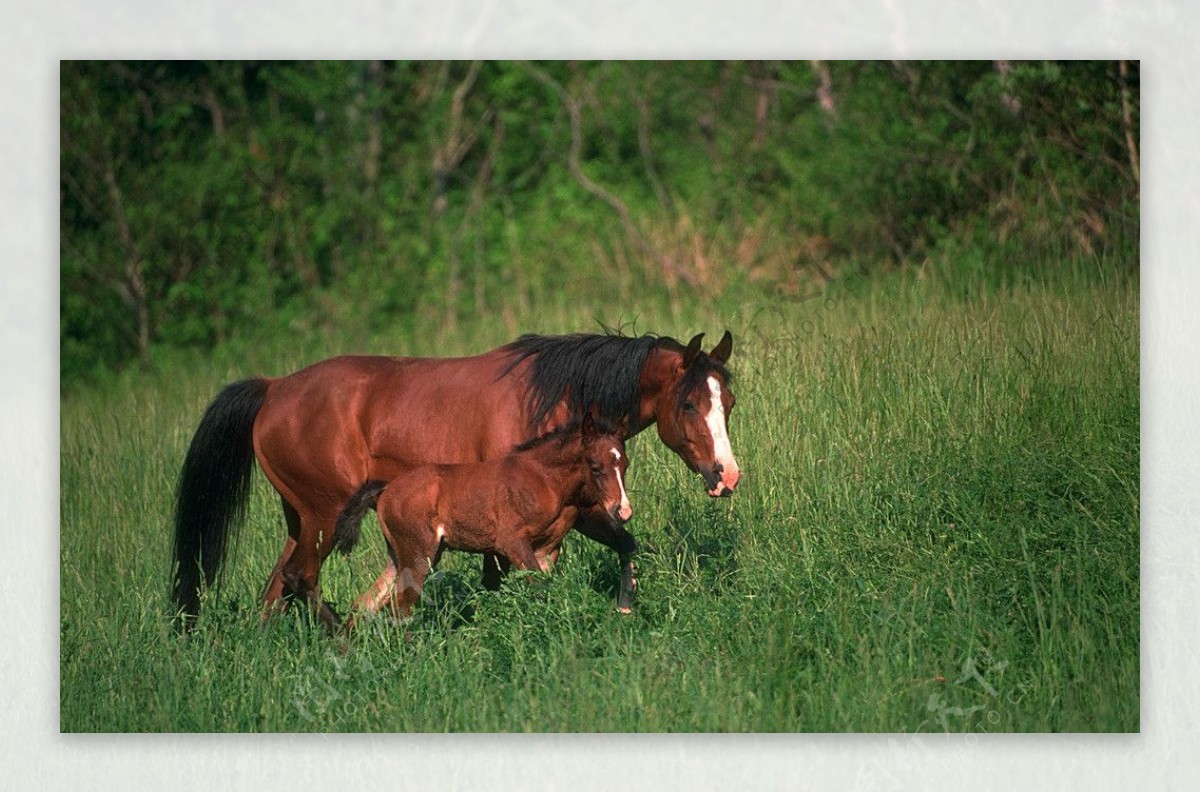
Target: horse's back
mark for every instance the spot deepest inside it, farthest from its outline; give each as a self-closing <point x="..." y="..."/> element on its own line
<point x="327" y="428"/>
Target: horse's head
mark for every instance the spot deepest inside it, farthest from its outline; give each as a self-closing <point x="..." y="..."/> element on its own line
<point x="693" y="414"/>
<point x="606" y="463"/>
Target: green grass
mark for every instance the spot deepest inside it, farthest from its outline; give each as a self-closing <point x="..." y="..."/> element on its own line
<point x="937" y="530"/>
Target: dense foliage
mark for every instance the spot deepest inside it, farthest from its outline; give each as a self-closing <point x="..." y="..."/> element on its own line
<point x="200" y="201"/>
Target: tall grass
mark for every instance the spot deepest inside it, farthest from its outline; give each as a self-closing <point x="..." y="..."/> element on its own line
<point x="936" y="530"/>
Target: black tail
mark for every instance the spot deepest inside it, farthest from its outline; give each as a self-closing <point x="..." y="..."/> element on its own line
<point x="210" y="500"/>
<point x="349" y="520"/>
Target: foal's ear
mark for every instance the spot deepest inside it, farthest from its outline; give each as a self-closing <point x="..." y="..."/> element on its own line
<point x="693" y="349"/>
<point x="724" y="347"/>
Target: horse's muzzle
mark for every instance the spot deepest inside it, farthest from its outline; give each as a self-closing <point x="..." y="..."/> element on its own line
<point x="721" y="482"/>
<point x="620" y="515"/>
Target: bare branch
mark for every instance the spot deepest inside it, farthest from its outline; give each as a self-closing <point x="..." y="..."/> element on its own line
<point x="1127" y="116"/>
<point x="448" y="156"/>
<point x="574" y="112"/>
<point x="825" y="87"/>
<point x="663" y="196"/>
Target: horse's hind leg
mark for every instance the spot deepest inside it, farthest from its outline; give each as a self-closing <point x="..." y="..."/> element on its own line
<point x="301" y="572"/>
<point x="273" y="594"/>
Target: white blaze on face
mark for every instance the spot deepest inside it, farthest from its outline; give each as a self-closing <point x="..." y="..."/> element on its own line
<point x="722" y="451"/>
<point x="626" y="510"/>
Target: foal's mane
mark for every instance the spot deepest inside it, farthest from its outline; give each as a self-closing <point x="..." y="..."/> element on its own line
<point x="589" y="369"/>
<point x="568" y="430"/>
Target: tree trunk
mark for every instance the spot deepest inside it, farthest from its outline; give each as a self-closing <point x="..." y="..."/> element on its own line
<point x="133" y="286"/>
<point x="1127" y="116"/>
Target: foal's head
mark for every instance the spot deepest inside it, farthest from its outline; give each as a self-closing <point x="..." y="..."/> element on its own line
<point x="606" y="463"/>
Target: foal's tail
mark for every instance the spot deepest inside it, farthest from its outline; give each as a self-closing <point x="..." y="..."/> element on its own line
<point x="349" y="520"/>
<point x="210" y="499"/>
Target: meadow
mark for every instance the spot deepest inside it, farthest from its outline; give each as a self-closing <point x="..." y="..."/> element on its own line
<point x="937" y="530"/>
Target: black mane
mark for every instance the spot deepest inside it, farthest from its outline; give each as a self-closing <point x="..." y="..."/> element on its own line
<point x="588" y="369"/>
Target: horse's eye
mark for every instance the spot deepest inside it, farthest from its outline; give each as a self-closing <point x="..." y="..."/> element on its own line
<point x="689" y="406"/>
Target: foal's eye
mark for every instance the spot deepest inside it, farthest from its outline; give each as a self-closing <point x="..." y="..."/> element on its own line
<point x="689" y="406"/>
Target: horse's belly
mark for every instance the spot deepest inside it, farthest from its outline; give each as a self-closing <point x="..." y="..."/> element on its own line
<point x="455" y="414"/>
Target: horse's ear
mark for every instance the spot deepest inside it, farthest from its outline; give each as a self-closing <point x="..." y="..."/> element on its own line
<point x="724" y="347"/>
<point x="693" y="349"/>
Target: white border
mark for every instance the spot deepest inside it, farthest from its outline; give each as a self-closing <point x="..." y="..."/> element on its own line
<point x="35" y="37"/>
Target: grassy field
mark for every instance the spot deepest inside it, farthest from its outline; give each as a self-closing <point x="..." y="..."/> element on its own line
<point x="937" y="529"/>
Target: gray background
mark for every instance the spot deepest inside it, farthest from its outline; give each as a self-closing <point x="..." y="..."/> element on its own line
<point x="34" y="37"/>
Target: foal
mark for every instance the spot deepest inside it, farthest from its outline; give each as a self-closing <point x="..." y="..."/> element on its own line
<point x="519" y="506"/>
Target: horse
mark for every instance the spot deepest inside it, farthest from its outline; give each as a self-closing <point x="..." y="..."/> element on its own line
<point x="322" y="431"/>
<point x="519" y="506"/>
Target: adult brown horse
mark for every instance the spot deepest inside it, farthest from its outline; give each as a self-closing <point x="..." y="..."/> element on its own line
<point x="321" y="432"/>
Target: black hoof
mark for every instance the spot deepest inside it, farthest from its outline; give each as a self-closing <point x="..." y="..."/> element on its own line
<point x="626" y="594"/>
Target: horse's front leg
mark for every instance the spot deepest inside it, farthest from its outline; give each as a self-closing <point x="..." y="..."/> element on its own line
<point x="595" y="524"/>
<point x="495" y="567"/>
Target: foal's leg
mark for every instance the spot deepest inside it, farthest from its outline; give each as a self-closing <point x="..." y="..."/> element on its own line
<point x="399" y="576"/>
<point x="547" y="558"/>
<point x="413" y="551"/>
<point x="595" y="524"/>
<point x="382" y="590"/>
<point x="547" y="553"/>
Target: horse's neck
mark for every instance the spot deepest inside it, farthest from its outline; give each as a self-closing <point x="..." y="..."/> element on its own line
<point x="656" y="376"/>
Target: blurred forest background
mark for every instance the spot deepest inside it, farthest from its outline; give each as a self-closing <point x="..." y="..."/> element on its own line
<point x="205" y="201"/>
